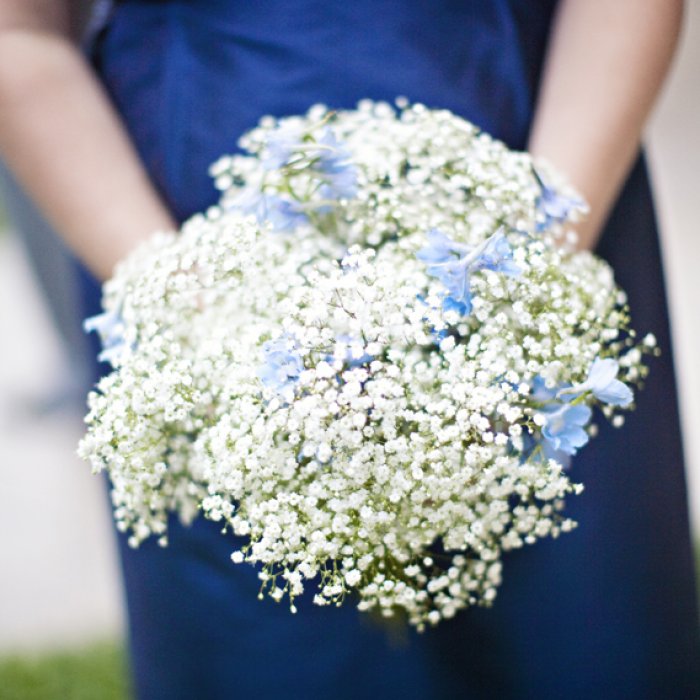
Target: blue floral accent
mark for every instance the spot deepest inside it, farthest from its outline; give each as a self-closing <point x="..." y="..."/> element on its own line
<point x="340" y="185"/>
<point x="437" y="335"/>
<point x="553" y="207"/>
<point x="329" y="158"/>
<point x="334" y="155"/>
<point x="352" y="351"/>
<point x="281" y="145"/>
<point x="334" y="161"/>
<point x="282" y="366"/>
<point x="530" y="444"/>
<point x="602" y="382"/>
<point x="563" y="458"/>
<point x="563" y="430"/>
<point x="453" y="262"/>
<point x="462" y="308"/>
<point x="541" y="392"/>
<point x="110" y="327"/>
<point x="564" y="426"/>
<point x="282" y="214"/>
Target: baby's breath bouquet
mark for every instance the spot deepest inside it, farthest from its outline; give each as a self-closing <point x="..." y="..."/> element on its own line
<point x="372" y="360"/>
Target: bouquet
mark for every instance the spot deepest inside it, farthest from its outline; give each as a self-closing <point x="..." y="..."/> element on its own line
<point x="372" y="360"/>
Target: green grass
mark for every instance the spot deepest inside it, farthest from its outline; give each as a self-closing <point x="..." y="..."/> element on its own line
<point x="97" y="672"/>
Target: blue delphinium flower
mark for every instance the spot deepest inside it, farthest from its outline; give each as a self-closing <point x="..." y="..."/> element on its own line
<point x="282" y="366"/>
<point x="334" y="161"/>
<point x="332" y="155"/>
<point x="496" y="255"/>
<point x="602" y="382"/>
<point x="541" y="392"/>
<point x="453" y="262"/>
<point x="281" y="146"/>
<point x="553" y="207"/>
<point x="110" y="327"/>
<point x="563" y="458"/>
<point x="282" y="214"/>
<point x="329" y="158"/>
<point x="530" y="444"/>
<point x="340" y="185"/>
<point x="564" y="427"/>
<point x="461" y="307"/>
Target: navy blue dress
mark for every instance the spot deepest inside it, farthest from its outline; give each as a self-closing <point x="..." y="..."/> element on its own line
<point x="608" y="611"/>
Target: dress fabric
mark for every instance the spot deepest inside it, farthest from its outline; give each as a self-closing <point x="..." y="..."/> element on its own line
<point x="608" y="611"/>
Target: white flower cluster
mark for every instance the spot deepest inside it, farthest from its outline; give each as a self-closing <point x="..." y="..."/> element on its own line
<point x="372" y="361"/>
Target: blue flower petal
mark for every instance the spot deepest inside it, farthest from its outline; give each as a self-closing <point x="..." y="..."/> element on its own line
<point x="326" y="156"/>
<point x="281" y="145"/>
<point x="440" y="248"/>
<point x="463" y="307"/>
<point x="530" y="445"/>
<point x="564" y="427"/>
<point x="282" y="365"/>
<point x="340" y="185"/>
<point x="335" y="156"/>
<point x="110" y="328"/>
<point x="497" y="256"/>
<point x="282" y="214"/>
<point x="453" y="262"/>
<point x="541" y="392"/>
<point x="553" y="207"/>
<point x="602" y="372"/>
<point x="616" y="393"/>
<point x="564" y="458"/>
<point x="353" y="351"/>
<point x="333" y="161"/>
<point x="602" y="383"/>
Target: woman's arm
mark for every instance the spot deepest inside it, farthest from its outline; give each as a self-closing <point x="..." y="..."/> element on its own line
<point x="64" y="142"/>
<point x="604" y="67"/>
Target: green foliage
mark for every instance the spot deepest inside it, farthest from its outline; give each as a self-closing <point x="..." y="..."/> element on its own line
<point x="97" y="672"/>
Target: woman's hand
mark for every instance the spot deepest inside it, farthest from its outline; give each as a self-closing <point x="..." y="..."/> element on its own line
<point x="63" y="140"/>
<point x="605" y="65"/>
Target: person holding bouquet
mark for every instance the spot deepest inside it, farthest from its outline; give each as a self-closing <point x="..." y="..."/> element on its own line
<point x="118" y="150"/>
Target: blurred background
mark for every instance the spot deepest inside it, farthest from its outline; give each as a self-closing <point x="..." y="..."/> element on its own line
<point x="61" y="620"/>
